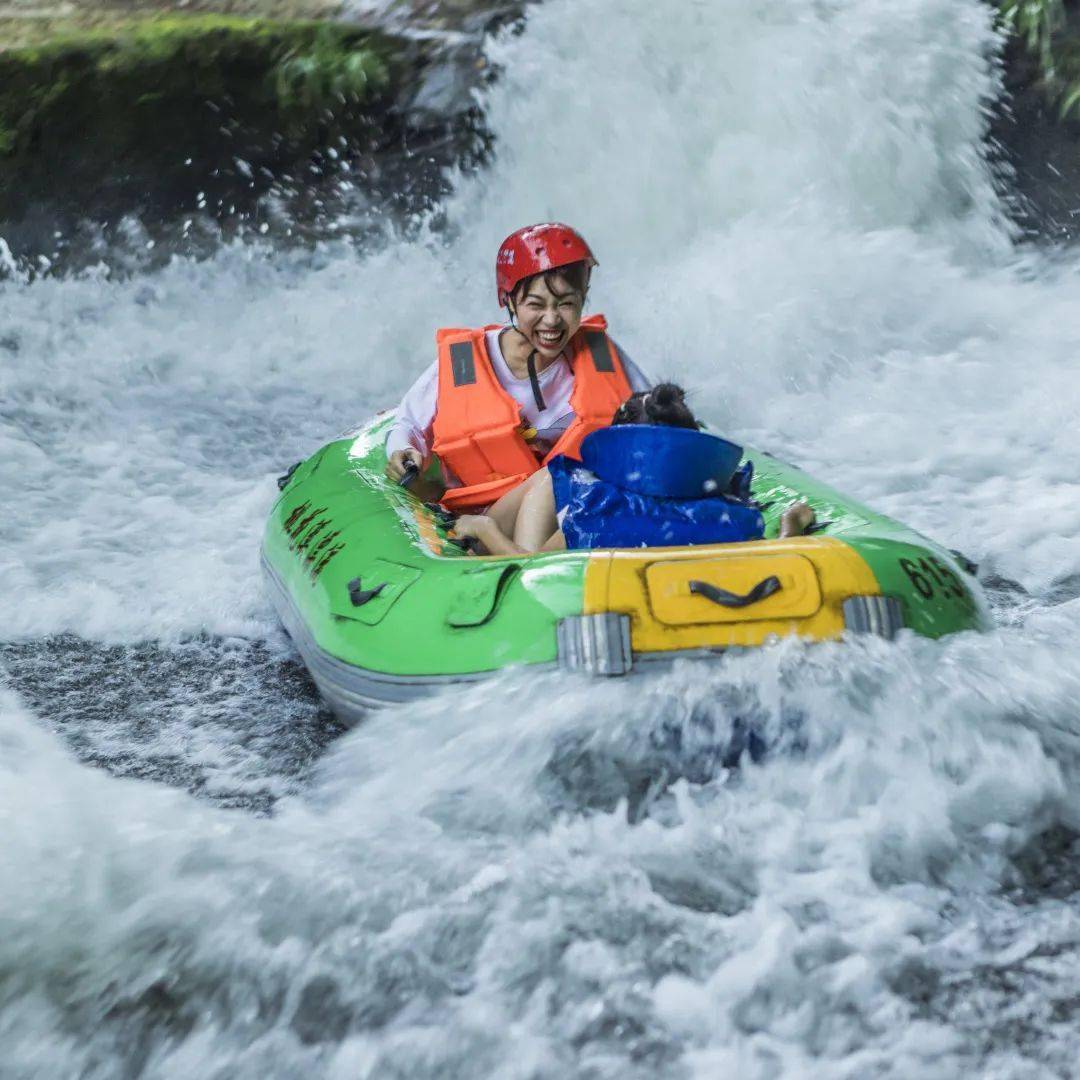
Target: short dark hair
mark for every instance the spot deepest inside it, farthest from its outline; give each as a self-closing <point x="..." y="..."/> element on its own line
<point x="664" y="404"/>
<point x="576" y="275"/>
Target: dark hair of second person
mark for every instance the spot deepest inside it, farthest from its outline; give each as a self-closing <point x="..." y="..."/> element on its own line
<point x="664" y="404"/>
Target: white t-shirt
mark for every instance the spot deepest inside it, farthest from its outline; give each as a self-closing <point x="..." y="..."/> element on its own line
<point x="416" y="413"/>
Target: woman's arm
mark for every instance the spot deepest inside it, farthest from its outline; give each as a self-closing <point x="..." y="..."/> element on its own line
<point x="495" y="541"/>
<point x="409" y="437"/>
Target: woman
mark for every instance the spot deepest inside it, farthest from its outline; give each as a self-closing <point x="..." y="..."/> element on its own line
<point x="565" y="505"/>
<point x="501" y="401"/>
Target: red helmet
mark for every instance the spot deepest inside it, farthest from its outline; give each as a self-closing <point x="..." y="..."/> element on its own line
<point x="533" y="250"/>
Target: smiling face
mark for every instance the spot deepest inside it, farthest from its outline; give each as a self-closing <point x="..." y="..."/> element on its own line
<point x="547" y="311"/>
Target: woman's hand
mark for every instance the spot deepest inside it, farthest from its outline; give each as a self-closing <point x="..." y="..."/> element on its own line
<point x="473" y="526"/>
<point x="486" y="530"/>
<point x="395" y="465"/>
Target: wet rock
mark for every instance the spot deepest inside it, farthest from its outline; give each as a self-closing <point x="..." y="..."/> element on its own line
<point x="259" y="723"/>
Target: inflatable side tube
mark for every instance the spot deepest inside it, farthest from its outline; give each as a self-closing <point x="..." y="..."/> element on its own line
<point x="349" y="690"/>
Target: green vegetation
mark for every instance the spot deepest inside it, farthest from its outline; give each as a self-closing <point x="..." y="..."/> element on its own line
<point x="1043" y="27"/>
<point x="165" y="61"/>
<point x="1036" y="22"/>
<point x="326" y="73"/>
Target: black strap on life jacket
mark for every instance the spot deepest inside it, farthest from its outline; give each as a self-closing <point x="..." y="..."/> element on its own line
<point x="601" y="357"/>
<point x="463" y="363"/>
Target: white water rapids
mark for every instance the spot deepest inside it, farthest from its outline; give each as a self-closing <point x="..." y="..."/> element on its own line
<point x="545" y="877"/>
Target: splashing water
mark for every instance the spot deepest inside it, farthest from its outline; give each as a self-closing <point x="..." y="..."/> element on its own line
<point x="544" y="877"/>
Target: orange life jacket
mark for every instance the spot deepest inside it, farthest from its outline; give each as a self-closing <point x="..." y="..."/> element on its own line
<point x="477" y="426"/>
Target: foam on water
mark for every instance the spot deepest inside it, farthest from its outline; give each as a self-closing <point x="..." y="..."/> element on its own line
<point x="542" y="878"/>
<point x="460" y="896"/>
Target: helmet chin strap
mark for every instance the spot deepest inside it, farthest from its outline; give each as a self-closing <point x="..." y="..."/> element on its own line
<point x="534" y="379"/>
<point x="538" y="394"/>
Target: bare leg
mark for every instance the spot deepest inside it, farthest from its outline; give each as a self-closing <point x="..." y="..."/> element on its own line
<point x="505" y="511"/>
<point x="536" y="519"/>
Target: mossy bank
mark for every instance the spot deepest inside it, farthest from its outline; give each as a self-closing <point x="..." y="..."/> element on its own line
<point x="155" y="113"/>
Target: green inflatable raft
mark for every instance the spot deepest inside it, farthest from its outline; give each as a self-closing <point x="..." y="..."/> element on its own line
<point x="384" y="607"/>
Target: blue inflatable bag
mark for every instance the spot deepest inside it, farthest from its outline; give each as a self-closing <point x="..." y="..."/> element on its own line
<point x="619" y="501"/>
<point x="668" y="462"/>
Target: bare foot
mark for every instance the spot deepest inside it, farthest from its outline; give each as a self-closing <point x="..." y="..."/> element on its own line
<point x="796" y="519"/>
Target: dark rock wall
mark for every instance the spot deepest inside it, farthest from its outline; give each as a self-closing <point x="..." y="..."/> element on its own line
<point x="1038" y="145"/>
<point x="145" y="117"/>
<point x="288" y="124"/>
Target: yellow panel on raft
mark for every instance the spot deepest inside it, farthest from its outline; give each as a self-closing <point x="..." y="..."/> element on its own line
<point x="653" y="590"/>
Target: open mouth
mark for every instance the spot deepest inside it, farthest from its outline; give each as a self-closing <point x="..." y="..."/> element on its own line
<point x="549" y="339"/>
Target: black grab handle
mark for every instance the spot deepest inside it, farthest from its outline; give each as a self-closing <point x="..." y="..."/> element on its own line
<point x="360" y="596"/>
<point x="467" y="543"/>
<point x="446" y="519"/>
<point x="763" y="589"/>
<point x="443" y="516"/>
<point x="283" y="480"/>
